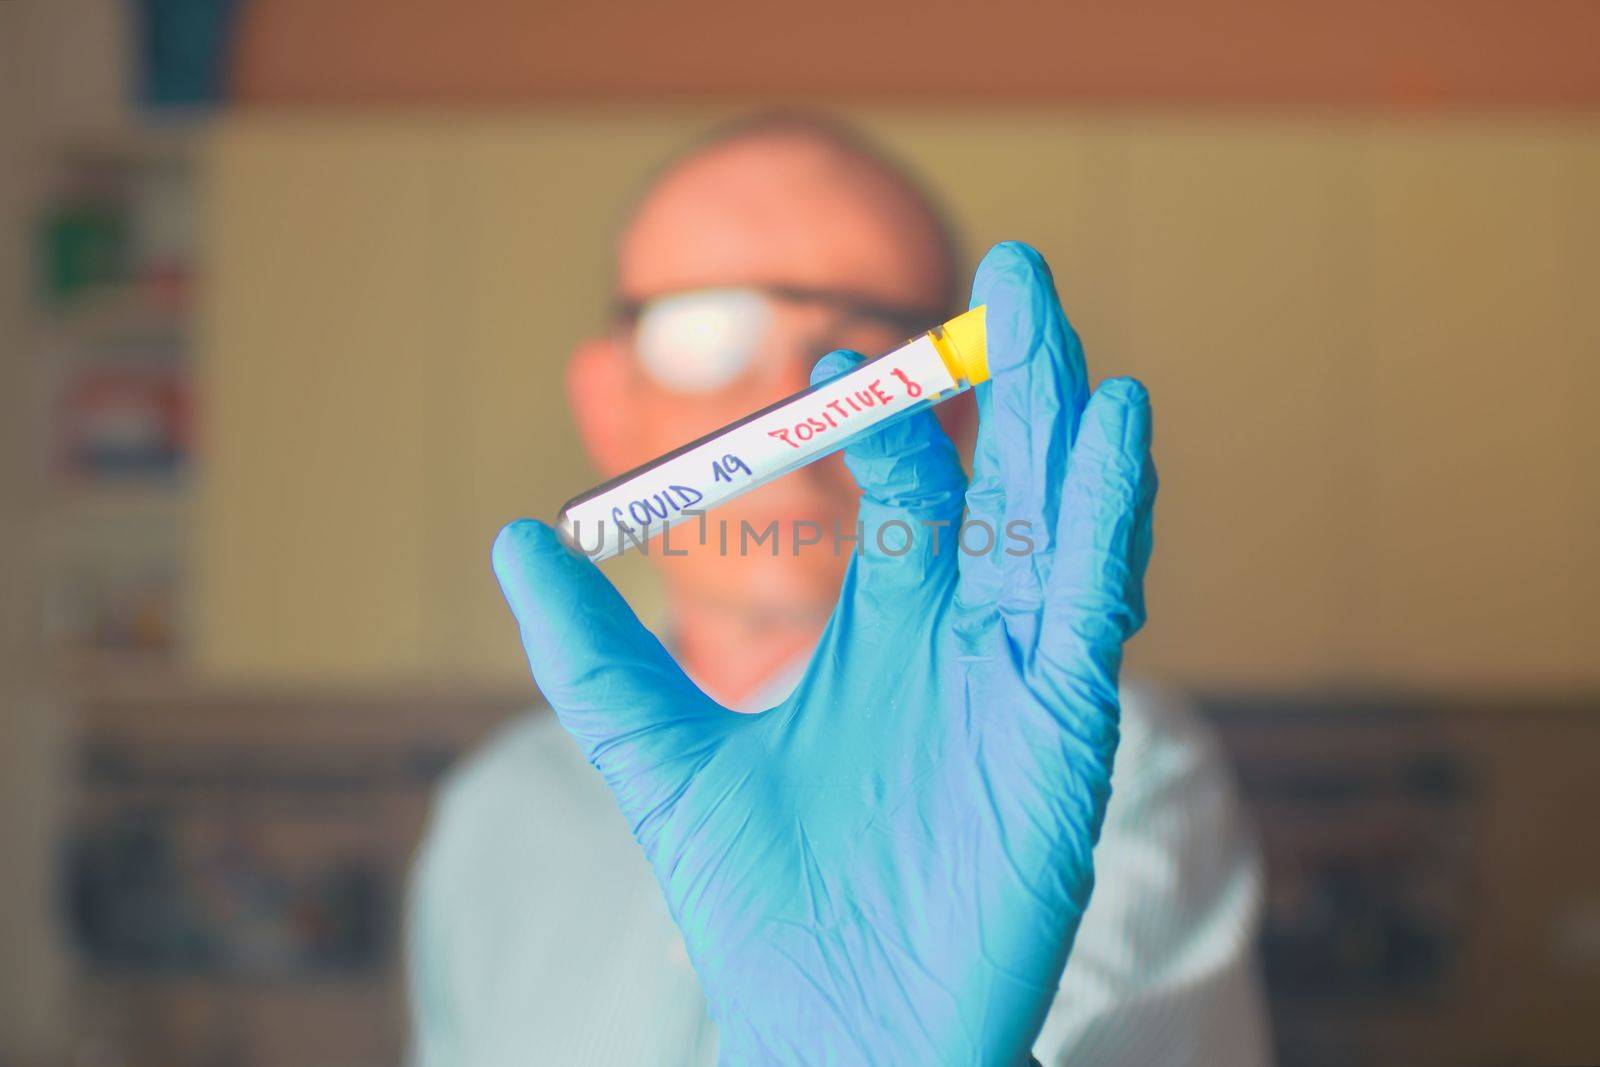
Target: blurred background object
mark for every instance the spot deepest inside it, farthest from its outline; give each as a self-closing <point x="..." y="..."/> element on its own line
<point x="286" y="290"/>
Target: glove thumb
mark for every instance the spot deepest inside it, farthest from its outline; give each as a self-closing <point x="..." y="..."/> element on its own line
<point x="635" y="714"/>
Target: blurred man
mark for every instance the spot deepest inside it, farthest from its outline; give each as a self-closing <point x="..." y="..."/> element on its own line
<point x="538" y="933"/>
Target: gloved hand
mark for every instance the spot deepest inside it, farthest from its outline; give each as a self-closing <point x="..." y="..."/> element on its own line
<point x="890" y="866"/>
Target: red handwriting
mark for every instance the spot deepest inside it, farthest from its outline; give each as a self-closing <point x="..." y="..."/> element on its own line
<point x="834" y="413"/>
<point x="912" y="388"/>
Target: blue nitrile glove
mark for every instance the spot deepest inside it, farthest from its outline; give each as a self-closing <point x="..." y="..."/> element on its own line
<point x="889" y="867"/>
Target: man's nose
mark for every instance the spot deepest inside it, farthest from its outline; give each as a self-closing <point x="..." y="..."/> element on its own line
<point x="795" y="373"/>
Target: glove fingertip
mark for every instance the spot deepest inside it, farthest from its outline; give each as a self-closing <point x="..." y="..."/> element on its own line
<point x="1117" y="417"/>
<point x="1125" y="390"/>
<point x="834" y="364"/>
<point x="1007" y="263"/>
<point x="515" y="541"/>
<point x="517" y="550"/>
<point x="1024" y="315"/>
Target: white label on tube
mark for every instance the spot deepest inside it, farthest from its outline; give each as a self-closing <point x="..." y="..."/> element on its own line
<point x="627" y="515"/>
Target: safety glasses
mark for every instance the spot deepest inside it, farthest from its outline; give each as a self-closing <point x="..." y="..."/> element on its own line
<point x="703" y="340"/>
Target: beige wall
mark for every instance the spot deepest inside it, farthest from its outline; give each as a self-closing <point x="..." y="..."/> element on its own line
<point x="1372" y="345"/>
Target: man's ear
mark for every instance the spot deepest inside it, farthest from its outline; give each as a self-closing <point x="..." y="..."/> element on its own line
<point x="601" y="397"/>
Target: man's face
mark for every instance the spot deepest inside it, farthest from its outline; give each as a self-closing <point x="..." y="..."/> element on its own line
<point x="741" y="270"/>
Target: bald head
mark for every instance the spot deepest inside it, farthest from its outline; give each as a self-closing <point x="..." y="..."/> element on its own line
<point x="791" y="203"/>
<point x="788" y="201"/>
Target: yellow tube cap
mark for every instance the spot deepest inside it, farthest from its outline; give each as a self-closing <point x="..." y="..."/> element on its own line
<point x="966" y="343"/>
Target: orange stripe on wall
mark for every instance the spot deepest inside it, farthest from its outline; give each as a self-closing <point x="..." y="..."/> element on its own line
<point x="1411" y="53"/>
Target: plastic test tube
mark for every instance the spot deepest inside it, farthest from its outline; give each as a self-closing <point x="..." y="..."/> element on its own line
<point x="687" y="482"/>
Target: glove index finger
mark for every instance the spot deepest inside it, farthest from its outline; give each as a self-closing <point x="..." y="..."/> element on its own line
<point x="912" y="489"/>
